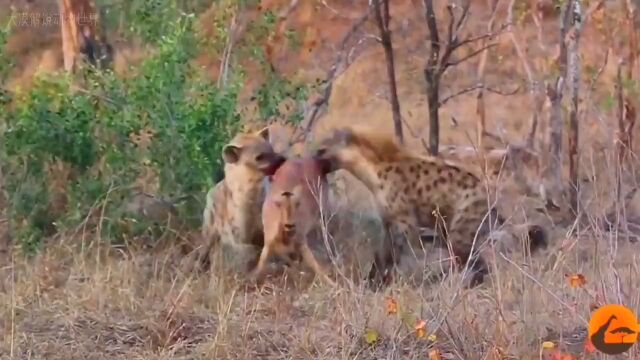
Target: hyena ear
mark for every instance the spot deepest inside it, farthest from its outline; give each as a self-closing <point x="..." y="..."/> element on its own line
<point x="231" y="154"/>
<point x="264" y="133"/>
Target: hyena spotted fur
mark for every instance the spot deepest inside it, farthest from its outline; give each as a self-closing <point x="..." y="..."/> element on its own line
<point x="231" y="218"/>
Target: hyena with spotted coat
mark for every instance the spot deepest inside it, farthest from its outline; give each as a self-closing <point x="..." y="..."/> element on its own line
<point x="411" y="192"/>
<point x="231" y="217"/>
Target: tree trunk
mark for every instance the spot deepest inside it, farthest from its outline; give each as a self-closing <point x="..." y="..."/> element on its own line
<point x="432" y="74"/>
<point x="78" y="26"/>
<point x="556" y="124"/>
<point x="385" y="37"/>
<point x="574" y="81"/>
<point x="393" y="90"/>
<point x="433" y="99"/>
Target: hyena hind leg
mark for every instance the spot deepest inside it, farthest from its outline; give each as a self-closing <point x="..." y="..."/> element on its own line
<point x="387" y="258"/>
<point x="465" y="243"/>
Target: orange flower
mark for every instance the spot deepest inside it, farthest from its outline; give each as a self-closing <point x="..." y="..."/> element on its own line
<point x="421" y="328"/>
<point x="392" y="306"/>
<point x="576" y="280"/>
<point x="435" y="355"/>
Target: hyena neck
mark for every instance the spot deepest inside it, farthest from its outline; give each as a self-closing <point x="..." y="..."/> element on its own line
<point x="366" y="172"/>
<point x="244" y="203"/>
<point x="246" y="193"/>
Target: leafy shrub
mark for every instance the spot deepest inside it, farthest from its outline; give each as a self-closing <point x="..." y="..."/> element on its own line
<point x="167" y="121"/>
<point x="76" y="147"/>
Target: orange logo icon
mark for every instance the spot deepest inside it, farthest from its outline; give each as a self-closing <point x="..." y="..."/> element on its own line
<point x="613" y="329"/>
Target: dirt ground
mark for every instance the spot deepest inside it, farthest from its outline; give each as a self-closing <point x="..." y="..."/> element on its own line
<point x="80" y="300"/>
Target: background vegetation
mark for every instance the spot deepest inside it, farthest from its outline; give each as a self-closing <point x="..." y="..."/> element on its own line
<point x="75" y="149"/>
<point x="160" y="130"/>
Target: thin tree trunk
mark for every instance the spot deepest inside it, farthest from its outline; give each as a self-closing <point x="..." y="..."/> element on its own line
<point x="620" y="148"/>
<point x="432" y="77"/>
<point x="555" y="94"/>
<point x="555" y="125"/>
<point x="395" y="103"/>
<point x="385" y="36"/>
<point x="68" y="28"/>
<point x="78" y="26"/>
<point x="633" y="36"/>
<point x="574" y="81"/>
<point x="480" y="107"/>
<point x="433" y="99"/>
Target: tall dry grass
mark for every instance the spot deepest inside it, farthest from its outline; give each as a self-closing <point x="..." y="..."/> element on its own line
<point x="82" y="299"/>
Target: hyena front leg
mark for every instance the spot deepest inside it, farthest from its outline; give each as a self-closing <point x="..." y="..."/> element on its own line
<point x="397" y="235"/>
<point x="465" y="224"/>
<point x="259" y="270"/>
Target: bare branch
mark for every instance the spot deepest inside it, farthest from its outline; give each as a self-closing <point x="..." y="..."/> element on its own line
<point x="434" y="37"/>
<point x="571" y="32"/>
<point x="451" y="34"/>
<point x="463" y="17"/>
<point x="484" y="36"/>
<point x="469" y="56"/>
<point x="338" y="66"/>
<point x="479" y="86"/>
<point x="358" y="44"/>
<point x="226" y="53"/>
<point x="284" y="14"/>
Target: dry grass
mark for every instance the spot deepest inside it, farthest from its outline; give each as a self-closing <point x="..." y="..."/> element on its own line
<point x="81" y="300"/>
<point x="91" y="301"/>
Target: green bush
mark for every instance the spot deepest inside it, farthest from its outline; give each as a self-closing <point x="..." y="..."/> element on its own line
<point x="91" y="131"/>
<point x="109" y="132"/>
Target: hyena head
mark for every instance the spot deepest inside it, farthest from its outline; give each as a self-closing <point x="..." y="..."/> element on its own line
<point x="344" y="148"/>
<point x="253" y="152"/>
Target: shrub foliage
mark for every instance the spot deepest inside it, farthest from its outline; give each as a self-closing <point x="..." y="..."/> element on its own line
<point x="76" y="147"/>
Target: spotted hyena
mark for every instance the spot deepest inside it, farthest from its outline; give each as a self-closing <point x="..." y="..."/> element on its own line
<point x="411" y="192"/>
<point x="233" y="206"/>
<point x="292" y="212"/>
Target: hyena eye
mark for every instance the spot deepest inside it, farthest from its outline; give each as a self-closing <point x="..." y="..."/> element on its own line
<point x="260" y="157"/>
